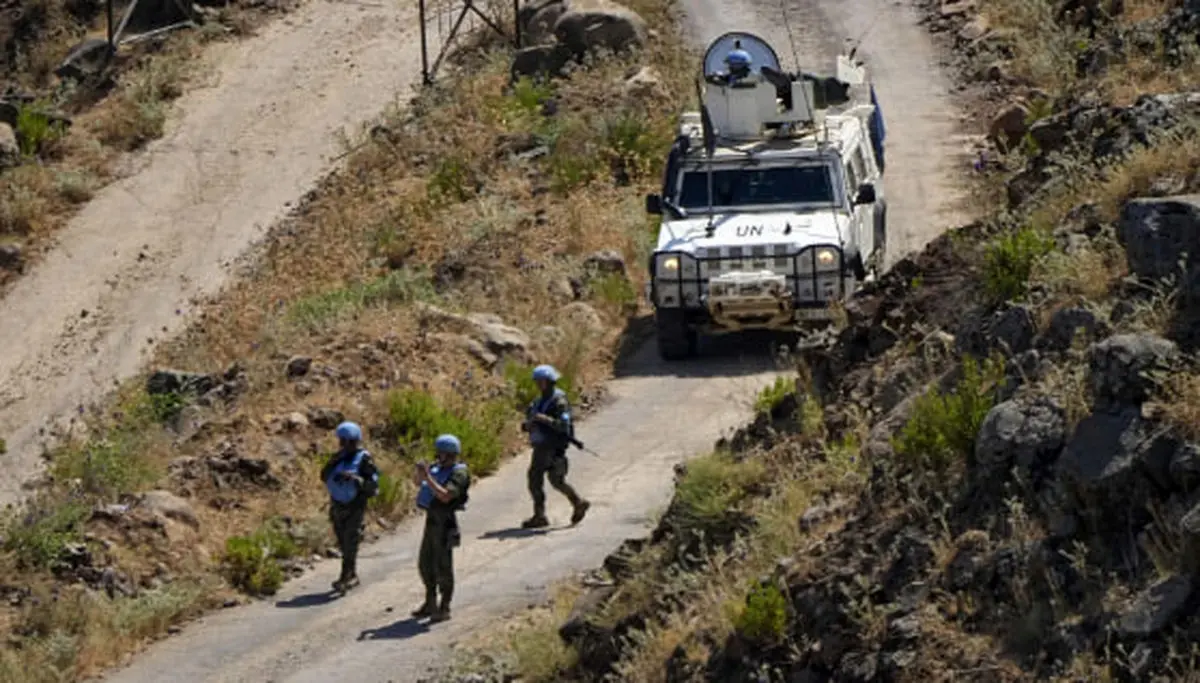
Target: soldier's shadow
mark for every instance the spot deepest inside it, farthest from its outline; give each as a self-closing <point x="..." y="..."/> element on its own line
<point x="400" y="630"/>
<point x="516" y="532"/>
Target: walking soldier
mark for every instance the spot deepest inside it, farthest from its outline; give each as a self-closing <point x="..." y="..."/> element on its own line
<point x="548" y="422"/>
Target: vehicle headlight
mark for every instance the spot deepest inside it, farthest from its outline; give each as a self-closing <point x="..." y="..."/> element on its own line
<point x="826" y="259"/>
<point x="672" y="267"/>
<point x="670" y="264"/>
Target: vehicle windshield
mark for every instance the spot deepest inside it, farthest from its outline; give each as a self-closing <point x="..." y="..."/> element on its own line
<point x="750" y="186"/>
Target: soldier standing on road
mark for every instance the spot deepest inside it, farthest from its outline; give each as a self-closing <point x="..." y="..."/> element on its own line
<point x="351" y="477"/>
<point x="548" y="421"/>
<point x="442" y="495"/>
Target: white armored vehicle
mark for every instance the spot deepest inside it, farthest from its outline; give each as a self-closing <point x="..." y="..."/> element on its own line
<point x="772" y="204"/>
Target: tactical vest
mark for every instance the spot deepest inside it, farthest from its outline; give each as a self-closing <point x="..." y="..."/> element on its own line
<point x="344" y="490"/>
<point x="441" y="475"/>
<point x="542" y="435"/>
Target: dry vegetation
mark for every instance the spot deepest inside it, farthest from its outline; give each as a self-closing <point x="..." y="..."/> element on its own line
<point x="72" y="134"/>
<point x="483" y="198"/>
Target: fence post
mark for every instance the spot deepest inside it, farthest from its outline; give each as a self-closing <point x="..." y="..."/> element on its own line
<point x="424" y="44"/>
<point x="517" y="23"/>
<point x="108" y="8"/>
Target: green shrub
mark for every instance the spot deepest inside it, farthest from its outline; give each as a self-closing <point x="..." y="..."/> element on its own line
<point x="396" y="287"/>
<point x="451" y="181"/>
<point x="392" y="494"/>
<point x="943" y="427"/>
<point x="636" y="148"/>
<point x="614" y="289"/>
<point x="765" y="616"/>
<point x="771" y="396"/>
<point x="252" y="562"/>
<point x="35" y="130"/>
<point x="712" y="486"/>
<point x="415" y="418"/>
<point x="38" y="537"/>
<point x="1009" y="262"/>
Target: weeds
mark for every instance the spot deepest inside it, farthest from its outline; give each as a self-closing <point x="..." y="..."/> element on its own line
<point x="415" y="419"/>
<point x="519" y="377"/>
<point x="770" y="397"/>
<point x="942" y="428"/>
<point x="35" y="130"/>
<point x="1009" y="262"/>
<point x="252" y="562"/>
<point x="39" y="537"/>
<point x="764" y="617"/>
<point x="712" y="486"/>
<point x="394" y="288"/>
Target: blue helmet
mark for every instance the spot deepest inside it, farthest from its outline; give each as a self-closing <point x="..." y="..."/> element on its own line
<point x="348" y="431"/>
<point x="738" y="58"/>
<point x="546" y="372"/>
<point x="448" y="443"/>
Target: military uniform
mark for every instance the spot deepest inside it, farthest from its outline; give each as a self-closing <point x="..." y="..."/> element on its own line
<point x="441" y="536"/>
<point x="348" y="505"/>
<point x="550" y="441"/>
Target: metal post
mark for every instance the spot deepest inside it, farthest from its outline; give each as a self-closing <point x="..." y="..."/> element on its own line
<point x="109" y="11"/>
<point x="424" y="46"/>
<point x="517" y="23"/>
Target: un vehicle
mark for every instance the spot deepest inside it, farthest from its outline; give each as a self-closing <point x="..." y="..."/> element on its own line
<point x="772" y="203"/>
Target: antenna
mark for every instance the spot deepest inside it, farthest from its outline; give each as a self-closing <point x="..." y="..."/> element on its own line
<point x="783" y="10"/>
<point x="710" y="144"/>
<point x="858" y="42"/>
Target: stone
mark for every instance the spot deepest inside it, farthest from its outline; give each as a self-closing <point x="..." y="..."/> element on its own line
<point x="1009" y="125"/>
<point x="1124" y="368"/>
<point x="537" y="20"/>
<point x="86" y="59"/>
<point x="1024" y="432"/>
<point x="325" y="418"/>
<point x="11" y="258"/>
<point x="582" y="316"/>
<point x="540" y="60"/>
<point x="295" y="421"/>
<point x="10" y="148"/>
<point x="1158" y="232"/>
<point x="169" y="505"/>
<point x="1156" y="607"/>
<point x="1066" y="324"/>
<point x="606" y="262"/>
<point x="1013" y="330"/>
<point x="298" y="366"/>
<point x="179" y="382"/>
<point x="588" y="26"/>
<point x="645" y="84"/>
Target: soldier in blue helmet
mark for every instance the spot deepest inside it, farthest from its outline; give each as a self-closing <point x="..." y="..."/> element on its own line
<point x="548" y="422"/>
<point x="739" y="63"/>
<point x="351" y="478"/>
<point x="443" y="493"/>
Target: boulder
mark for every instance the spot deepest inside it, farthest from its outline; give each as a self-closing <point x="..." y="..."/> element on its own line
<point x="325" y="418"/>
<point x="607" y="262"/>
<point x="1124" y="367"/>
<point x="582" y="316"/>
<point x="646" y="84"/>
<point x="179" y="382"/>
<point x="11" y="257"/>
<point x="540" y="60"/>
<point x="1156" y="607"/>
<point x="588" y="26"/>
<point x="298" y="366"/>
<point x="169" y="505"/>
<point x="1068" y="323"/>
<point x="88" y="58"/>
<point x="1009" y="125"/>
<point x="1158" y="233"/>
<point x="1021" y="431"/>
<point x="10" y="149"/>
<point x="537" y="20"/>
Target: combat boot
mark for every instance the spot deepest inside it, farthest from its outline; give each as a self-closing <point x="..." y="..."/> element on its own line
<point x="428" y="608"/>
<point x="535" y="522"/>
<point x="442" y="613"/>
<point x="581" y="509"/>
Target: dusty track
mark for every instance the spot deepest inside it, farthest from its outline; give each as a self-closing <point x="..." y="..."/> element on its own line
<point x="239" y="152"/>
<point x="660" y="415"/>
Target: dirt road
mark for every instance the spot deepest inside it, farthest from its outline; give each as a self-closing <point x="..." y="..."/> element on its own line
<point x="660" y="414"/>
<point x="128" y="265"/>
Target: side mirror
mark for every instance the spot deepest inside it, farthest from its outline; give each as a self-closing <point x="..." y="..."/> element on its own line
<point x="653" y="204"/>
<point x="866" y="194"/>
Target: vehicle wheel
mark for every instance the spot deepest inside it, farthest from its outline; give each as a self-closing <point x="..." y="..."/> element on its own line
<point x="676" y="340"/>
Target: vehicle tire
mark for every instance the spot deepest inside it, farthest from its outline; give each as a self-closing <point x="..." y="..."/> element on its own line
<point x="676" y="341"/>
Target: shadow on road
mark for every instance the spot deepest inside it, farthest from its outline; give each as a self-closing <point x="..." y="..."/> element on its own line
<point x="400" y="630"/>
<point x="310" y="600"/>
<point x="729" y="355"/>
<point x="515" y="532"/>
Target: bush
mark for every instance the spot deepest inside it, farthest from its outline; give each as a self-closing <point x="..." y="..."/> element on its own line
<point x="712" y="486"/>
<point x="772" y="396"/>
<point x="942" y="428"/>
<point x="38" y="538"/>
<point x="252" y="562"/>
<point x="415" y="418"/>
<point x="35" y="130"/>
<point x="396" y="287"/>
<point x="764" y="617"/>
<point x="1010" y="260"/>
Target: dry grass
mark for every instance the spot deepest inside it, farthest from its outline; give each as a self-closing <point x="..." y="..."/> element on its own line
<point x="1179" y="403"/>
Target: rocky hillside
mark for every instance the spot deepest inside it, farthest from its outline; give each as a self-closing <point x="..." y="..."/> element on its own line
<point x="490" y="226"/>
<point x="989" y="473"/>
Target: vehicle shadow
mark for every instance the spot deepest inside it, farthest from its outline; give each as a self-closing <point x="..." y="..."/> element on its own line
<point x="731" y="355"/>
<point x="400" y="630"/>
<point x="309" y="600"/>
